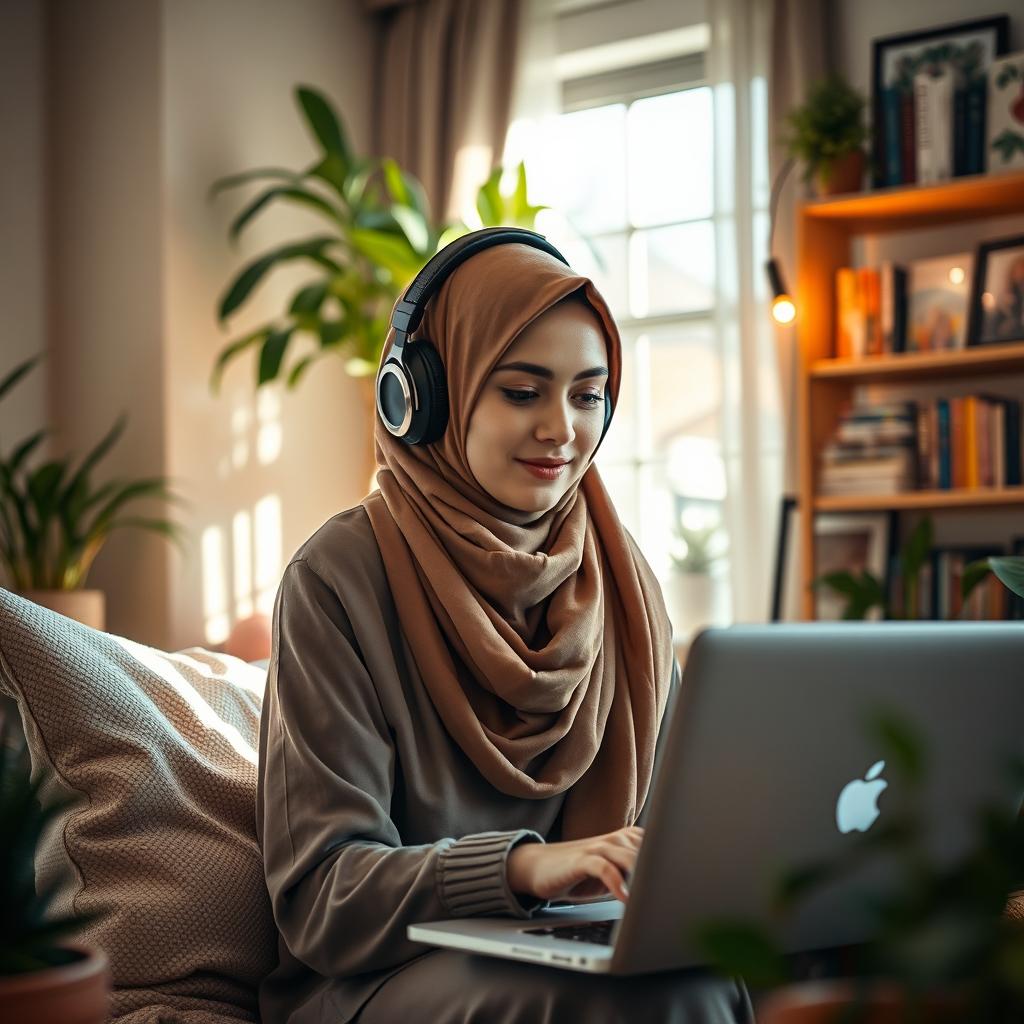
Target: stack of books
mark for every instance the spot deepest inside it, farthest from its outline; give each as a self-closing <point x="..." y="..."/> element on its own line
<point x="969" y="441"/>
<point x="873" y="451"/>
<point x="935" y="129"/>
<point x="871" y="310"/>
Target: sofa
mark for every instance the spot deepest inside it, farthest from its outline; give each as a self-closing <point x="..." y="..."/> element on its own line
<point x="158" y="751"/>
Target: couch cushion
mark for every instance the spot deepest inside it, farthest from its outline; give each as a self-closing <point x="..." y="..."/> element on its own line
<point x="161" y="749"/>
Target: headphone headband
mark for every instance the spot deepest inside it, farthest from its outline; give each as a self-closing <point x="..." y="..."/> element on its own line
<point x="409" y="311"/>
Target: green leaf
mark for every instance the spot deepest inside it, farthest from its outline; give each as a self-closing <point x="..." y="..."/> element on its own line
<point x="310" y="298"/>
<point x="489" y="203"/>
<point x="416" y="229"/>
<point x="331" y="171"/>
<point x="17" y="373"/>
<point x="325" y="123"/>
<point x="94" y="457"/>
<point x="918" y="547"/>
<point x="311" y="248"/>
<point x="25" y="449"/>
<point x="1010" y="571"/>
<point x="297" y="195"/>
<point x="297" y="371"/>
<point x="973" y="574"/>
<point x="272" y="354"/>
<point x="232" y="350"/>
<point x="234" y="180"/>
<point x="391" y="252"/>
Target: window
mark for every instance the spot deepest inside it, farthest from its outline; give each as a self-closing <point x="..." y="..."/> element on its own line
<point x="628" y="169"/>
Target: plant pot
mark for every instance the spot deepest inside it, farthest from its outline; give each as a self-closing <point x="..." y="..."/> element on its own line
<point x="691" y="600"/>
<point x="846" y="174"/>
<point x="74" y="993"/>
<point x="822" y="1002"/>
<point x="85" y="606"/>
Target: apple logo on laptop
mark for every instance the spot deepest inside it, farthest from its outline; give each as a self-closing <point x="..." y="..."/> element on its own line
<point x="857" y="807"/>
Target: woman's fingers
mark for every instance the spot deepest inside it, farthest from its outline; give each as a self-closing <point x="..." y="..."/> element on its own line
<point x="601" y="867"/>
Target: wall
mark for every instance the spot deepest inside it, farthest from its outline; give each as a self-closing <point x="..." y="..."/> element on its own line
<point x="124" y="112"/>
<point x="263" y="473"/>
<point x="22" y="215"/>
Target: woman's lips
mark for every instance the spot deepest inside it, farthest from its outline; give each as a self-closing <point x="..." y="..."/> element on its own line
<point x="543" y="472"/>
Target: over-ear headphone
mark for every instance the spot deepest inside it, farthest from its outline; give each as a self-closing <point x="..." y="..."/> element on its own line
<point x="412" y="392"/>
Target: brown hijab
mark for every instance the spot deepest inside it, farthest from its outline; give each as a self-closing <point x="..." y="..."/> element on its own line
<point x="542" y="639"/>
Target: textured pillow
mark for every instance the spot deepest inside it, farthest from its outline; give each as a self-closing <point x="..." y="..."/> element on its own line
<point x="161" y="751"/>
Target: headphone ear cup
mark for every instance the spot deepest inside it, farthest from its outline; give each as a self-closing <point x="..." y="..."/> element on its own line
<point x="425" y="369"/>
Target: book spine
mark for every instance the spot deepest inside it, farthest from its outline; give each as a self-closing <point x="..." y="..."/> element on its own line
<point x="923" y="129"/>
<point x="886" y="302"/>
<point x="945" y="450"/>
<point x="984" y="427"/>
<point x="871" y="290"/>
<point x="974" y="124"/>
<point x="957" y="437"/>
<point x="846" y="284"/>
<point x="998" y="444"/>
<point x="908" y="154"/>
<point x="899" y="316"/>
<point x="925" y="441"/>
<point x="892" y="118"/>
<point x="960" y="129"/>
<point x="972" y="444"/>
<point x="1013" y="443"/>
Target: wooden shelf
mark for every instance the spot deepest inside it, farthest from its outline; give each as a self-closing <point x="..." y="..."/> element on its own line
<point x="902" y="207"/>
<point x="980" y="359"/>
<point x="978" y="497"/>
<point x="826" y="232"/>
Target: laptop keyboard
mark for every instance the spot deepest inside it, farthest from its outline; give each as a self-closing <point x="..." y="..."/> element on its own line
<point x="598" y="932"/>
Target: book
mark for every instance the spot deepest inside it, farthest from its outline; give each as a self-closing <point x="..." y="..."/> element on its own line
<point x="892" y="305"/>
<point x="892" y="119"/>
<point x="933" y="103"/>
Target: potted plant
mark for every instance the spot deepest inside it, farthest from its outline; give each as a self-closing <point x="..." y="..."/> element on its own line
<point x="379" y="234"/>
<point x="696" y="547"/>
<point x="54" y="520"/>
<point x="44" y="977"/>
<point x="948" y="943"/>
<point x="828" y="134"/>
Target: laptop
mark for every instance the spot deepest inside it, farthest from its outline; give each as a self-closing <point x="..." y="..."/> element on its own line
<point x="765" y="743"/>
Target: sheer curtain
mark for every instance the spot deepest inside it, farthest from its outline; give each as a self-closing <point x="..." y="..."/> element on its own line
<point x="751" y="430"/>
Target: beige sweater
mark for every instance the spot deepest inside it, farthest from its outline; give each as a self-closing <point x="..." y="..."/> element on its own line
<point x="369" y="817"/>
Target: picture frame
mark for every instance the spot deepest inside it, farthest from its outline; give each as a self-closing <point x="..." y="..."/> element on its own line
<point x="855" y="540"/>
<point x="938" y="290"/>
<point x="996" y="311"/>
<point x="1004" y="140"/>
<point x="894" y="61"/>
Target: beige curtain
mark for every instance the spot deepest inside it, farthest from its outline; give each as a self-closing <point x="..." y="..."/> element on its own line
<point x="443" y="92"/>
<point x="800" y="55"/>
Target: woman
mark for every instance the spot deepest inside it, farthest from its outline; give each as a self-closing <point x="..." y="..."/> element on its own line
<point x="469" y="673"/>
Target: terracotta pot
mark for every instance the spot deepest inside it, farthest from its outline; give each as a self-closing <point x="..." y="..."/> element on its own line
<point x="844" y="175"/>
<point x="821" y="1002"/>
<point x="75" y="993"/>
<point x="85" y="606"/>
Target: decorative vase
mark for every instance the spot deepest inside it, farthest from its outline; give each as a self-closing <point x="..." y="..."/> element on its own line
<point x="74" y="993"/>
<point x="85" y="606"/>
<point x="825" y="1002"/>
<point x="845" y="174"/>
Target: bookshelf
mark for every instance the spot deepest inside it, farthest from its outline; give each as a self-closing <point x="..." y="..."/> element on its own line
<point x="826" y="230"/>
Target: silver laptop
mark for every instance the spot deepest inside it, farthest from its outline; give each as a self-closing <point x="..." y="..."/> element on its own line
<point x="768" y="765"/>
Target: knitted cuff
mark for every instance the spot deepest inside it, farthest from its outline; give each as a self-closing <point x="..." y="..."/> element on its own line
<point x="471" y="875"/>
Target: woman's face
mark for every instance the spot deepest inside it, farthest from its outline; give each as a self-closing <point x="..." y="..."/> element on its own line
<point x="544" y="400"/>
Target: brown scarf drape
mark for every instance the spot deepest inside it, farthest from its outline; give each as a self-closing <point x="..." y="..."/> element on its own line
<point x="543" y="639"/>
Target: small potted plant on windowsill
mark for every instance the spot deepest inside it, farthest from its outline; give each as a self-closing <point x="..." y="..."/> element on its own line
<point x="44" y="977"/>
<point x="828" y="134"/>
<point x="54" y="521"/>
<point x="697" y="546"/>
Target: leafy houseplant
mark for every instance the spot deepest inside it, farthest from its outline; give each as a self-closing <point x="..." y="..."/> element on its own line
<point x="944" y="947"/>
<point x="54" y="520"/>
<point x="828" y="134"/>
<point x="42" y="976"/>
<point x="697" y="546"/>
<point x="379" y="234"/>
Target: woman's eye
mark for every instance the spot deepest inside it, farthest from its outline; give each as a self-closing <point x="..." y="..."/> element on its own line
<point x="518" y="396"/>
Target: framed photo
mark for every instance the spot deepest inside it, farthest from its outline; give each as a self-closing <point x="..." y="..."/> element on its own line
<point x="1004" y="144"/>
<point x="967" y="49"/>
<point x="997" y="293"/>
<point x="937" y="293"/>
<point x="852" y="541"/>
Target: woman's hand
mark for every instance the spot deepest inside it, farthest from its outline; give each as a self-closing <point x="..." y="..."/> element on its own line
<point x="576" y="869"/>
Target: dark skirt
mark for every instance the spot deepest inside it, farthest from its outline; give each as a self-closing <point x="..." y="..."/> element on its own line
<point x="449" y="987"/>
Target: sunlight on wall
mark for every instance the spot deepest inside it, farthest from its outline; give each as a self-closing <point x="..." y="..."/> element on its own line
<point x="472" y="168"/>
<point x="269" y="434"/>
<point x="215" y="598"/>
<point x="267" y="531"/>
<point x="241" y="534"/>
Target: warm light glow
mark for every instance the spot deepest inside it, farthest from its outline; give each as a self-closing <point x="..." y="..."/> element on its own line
<point x="270" y="435"/>
<point x="783" y="310"/>
<point x="988" y="300"/>
<point x="267" y="549"/>
<point x="956" y="275"/>
<point x="241" y="534"/>
<point x="215" y="598"/>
